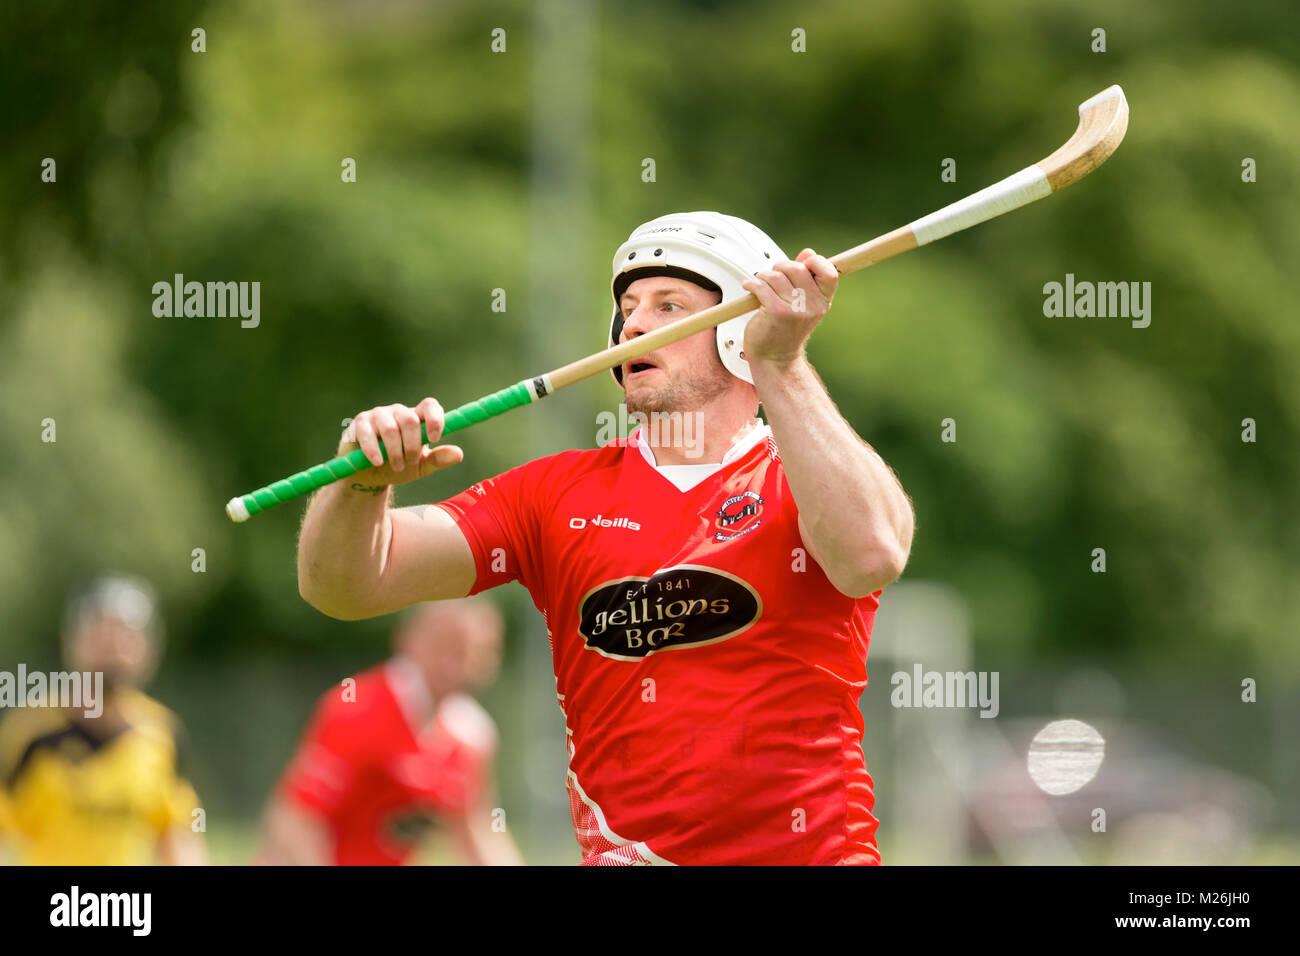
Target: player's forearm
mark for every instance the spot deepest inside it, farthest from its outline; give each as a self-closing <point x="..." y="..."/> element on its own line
<point x="292" y="837"/>
<point x="857" y="519"/>
<point x="181" y="847"/>
<point x="343" y="548"/>
<point x="499" y="849"/>
<point x="482" y="842"/>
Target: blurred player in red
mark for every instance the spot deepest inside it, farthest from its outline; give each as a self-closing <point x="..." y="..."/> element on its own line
<point x="399" y="749"/>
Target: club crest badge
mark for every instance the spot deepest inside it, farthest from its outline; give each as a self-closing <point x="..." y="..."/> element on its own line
<point x="739" y="514"/>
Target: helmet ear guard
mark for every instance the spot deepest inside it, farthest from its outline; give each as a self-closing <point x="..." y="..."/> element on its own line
<point x="715" y="251"/>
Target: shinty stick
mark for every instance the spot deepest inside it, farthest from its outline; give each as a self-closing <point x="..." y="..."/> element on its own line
<point x="1103" y="120"/>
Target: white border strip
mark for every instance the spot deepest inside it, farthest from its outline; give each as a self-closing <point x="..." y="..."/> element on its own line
<point x="1011" y="193"/>
<point x="1108" y="93"/>
<point x="652" y="858"/>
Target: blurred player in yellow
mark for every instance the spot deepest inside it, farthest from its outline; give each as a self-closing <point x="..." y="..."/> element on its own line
<point x="399" y="750"/>
<point x="87" y="788"/>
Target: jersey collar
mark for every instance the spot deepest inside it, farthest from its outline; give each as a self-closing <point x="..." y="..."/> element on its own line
<point x="411" y="692"/>
<point x="686" y="477"/>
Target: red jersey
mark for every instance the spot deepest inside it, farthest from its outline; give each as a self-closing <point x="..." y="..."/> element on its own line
<point x="379" y="768"/>
<point x="708" y="671"/>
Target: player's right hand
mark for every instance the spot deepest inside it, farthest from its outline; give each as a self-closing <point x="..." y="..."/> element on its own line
<point x="398" y="427"/>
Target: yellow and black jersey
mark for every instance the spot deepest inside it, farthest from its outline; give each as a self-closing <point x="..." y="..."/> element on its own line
<point x="97" y="792"/>
<point x="6" y="822"/>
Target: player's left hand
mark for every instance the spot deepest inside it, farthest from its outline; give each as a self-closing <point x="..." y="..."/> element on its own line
<point x="795" y="294"/>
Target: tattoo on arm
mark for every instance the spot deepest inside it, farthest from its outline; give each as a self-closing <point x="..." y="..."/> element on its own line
<point x="369" y="489"/>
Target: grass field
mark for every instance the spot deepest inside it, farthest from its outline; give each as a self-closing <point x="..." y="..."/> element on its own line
<point x="235" y="846"/>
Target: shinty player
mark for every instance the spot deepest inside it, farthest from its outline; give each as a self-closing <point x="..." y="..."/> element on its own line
<point x="709" y="607"/>
<point x="405" y="749"/>
<point x="106" y="790"/>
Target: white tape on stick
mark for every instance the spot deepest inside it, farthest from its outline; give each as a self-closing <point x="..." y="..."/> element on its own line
<point x="1014" y="191"/>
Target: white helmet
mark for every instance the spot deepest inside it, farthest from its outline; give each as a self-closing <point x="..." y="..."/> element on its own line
<point x="120" y="597"/>
<point x="712" y="250"/>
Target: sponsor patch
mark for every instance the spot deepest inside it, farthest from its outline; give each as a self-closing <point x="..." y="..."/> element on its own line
<point x="686" y="606"/>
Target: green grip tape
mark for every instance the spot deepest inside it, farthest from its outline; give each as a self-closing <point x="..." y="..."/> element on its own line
<point x="318" y="476"/>
<point x="485" y="408"/>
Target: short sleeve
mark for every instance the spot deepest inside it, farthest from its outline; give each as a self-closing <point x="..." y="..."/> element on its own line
<point x="177" y="805"/>
<point x="499" y="518"/>
<point x="17" y="731"/>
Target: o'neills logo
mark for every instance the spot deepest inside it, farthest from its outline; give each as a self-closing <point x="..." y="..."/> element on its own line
<point x="685" y="606"/>
<point x="738" y="515"/>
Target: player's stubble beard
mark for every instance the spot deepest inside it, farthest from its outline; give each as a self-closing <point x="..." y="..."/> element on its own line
<point x="692" y="395"/>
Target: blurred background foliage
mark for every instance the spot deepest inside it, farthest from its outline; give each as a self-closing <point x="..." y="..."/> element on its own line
<point x="1072" y="434"/>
